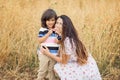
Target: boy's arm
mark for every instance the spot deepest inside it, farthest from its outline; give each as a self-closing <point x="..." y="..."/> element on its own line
<point x="43" y="38"/>
<point x="57" y="40"/>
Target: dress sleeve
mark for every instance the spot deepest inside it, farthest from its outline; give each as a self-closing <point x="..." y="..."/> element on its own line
<point x="68" y="46"/>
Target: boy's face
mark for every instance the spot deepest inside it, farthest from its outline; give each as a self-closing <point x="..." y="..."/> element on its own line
<point x="50" y="23"/>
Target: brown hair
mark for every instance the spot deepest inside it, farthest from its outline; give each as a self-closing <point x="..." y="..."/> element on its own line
<point x="68" y="30"/>
<point x="48" y="14"/>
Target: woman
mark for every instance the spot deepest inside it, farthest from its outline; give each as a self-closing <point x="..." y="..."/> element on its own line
<point x="74" y="62"/>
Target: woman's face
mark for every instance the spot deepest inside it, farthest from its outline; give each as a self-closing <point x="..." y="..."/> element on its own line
<point x="59" y="25"/>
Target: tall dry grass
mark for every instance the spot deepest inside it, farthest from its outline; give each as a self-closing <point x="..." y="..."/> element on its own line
<point x="97" y="23"/>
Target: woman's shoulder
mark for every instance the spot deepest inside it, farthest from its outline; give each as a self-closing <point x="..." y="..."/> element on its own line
<point x="69" y="42"/>
<point x="66" y="39"/>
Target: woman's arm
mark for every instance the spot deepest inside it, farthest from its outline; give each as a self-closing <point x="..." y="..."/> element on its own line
<point x="56" y="58"/>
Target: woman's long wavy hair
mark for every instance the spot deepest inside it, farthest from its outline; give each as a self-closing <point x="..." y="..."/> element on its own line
<point x="68" y="30"/>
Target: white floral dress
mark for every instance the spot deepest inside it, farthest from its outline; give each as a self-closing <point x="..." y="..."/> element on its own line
<point x="73" y="71"/>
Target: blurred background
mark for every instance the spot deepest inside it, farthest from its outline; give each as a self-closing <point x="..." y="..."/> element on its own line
<point x="97" y="23"/>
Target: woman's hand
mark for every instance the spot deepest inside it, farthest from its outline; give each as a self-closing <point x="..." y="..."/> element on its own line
<point x="45" y="50"/>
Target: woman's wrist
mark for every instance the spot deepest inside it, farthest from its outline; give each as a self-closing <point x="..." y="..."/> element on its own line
<point x="48" y="54"/>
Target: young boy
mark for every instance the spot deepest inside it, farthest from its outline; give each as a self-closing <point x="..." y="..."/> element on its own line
<point x="47" y="37"/>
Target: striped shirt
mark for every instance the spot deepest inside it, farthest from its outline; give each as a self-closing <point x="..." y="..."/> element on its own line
<point x="49" y="42"/>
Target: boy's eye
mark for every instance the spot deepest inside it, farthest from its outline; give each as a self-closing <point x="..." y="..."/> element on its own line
<point x="52" y="19"/>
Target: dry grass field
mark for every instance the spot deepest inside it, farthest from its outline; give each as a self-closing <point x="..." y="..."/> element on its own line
<point x="97" y="23"/>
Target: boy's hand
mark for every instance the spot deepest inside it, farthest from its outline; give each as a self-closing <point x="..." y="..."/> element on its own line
<point x="57" y="32"/>
<point x="50" y="31"/>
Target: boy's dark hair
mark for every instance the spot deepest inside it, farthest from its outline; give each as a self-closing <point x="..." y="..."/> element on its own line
<point x="48" y="14"/>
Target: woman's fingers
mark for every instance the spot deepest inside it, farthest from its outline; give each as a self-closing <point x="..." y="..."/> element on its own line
<point x="45" y="49"/>
<point x="41" y="50"/>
